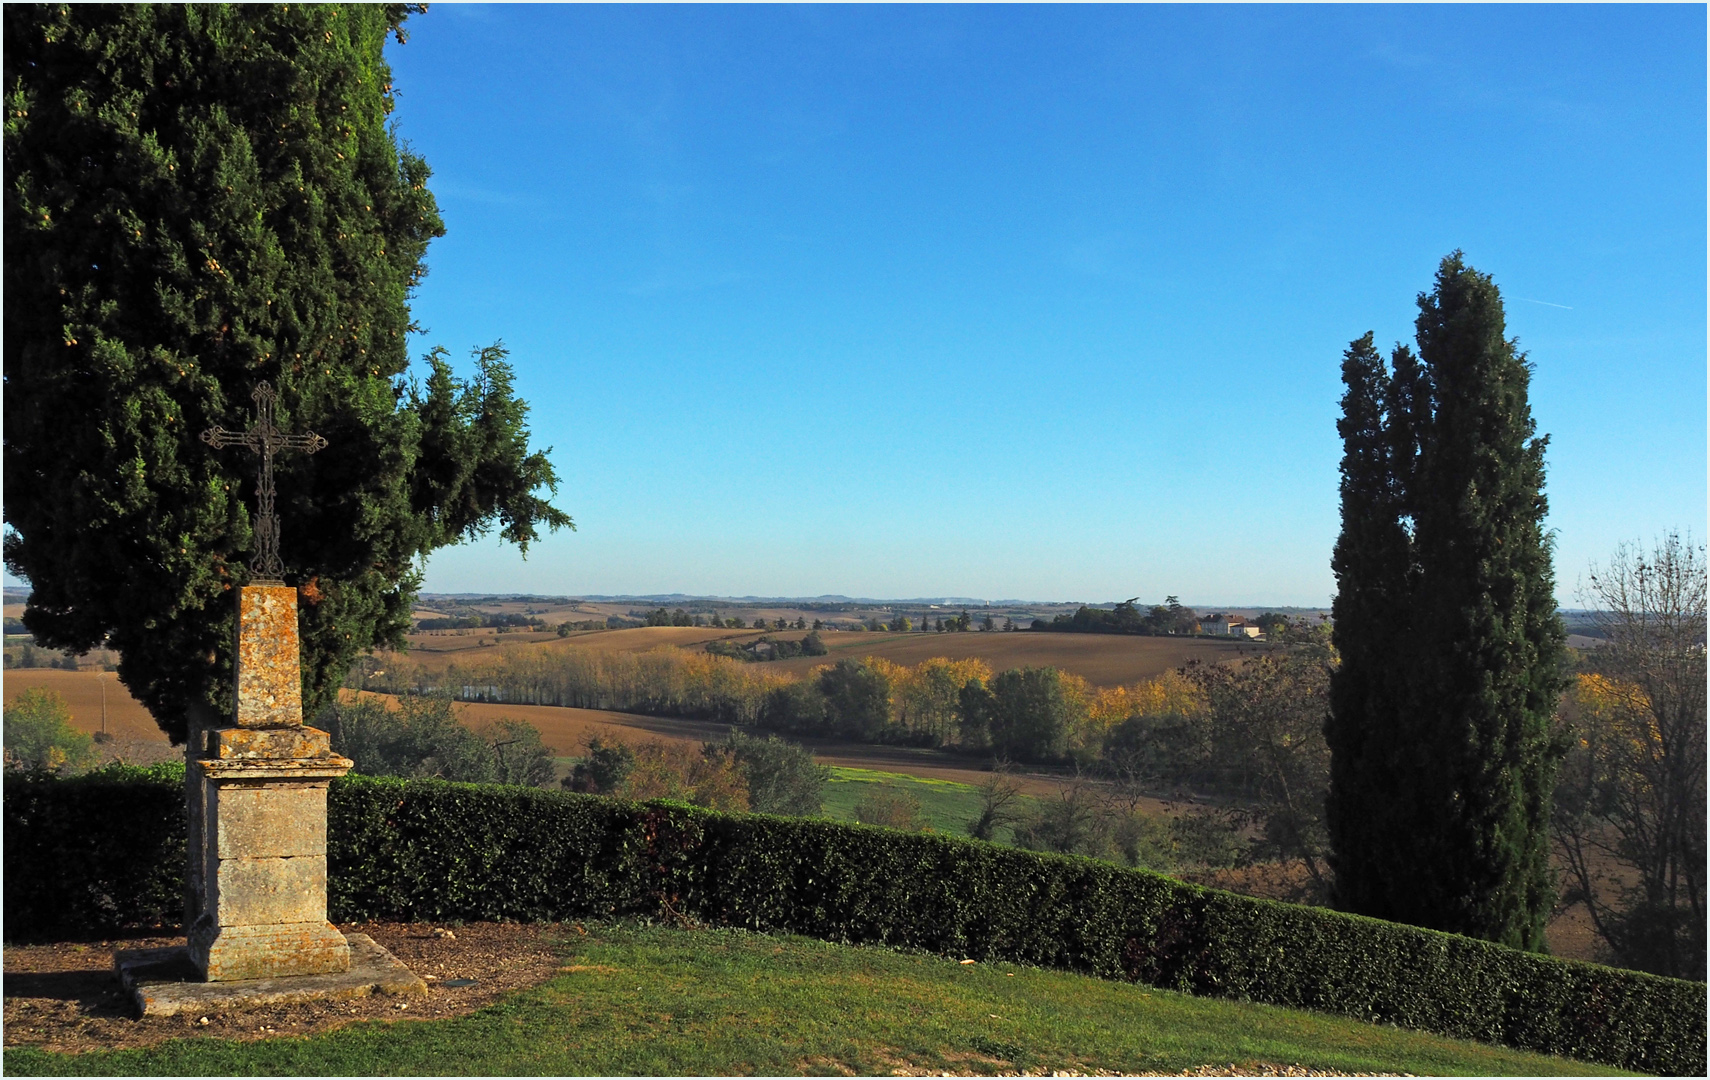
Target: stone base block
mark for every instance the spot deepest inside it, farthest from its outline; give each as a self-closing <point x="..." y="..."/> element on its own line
<point x="164" y="982"/>
<point x="272" y="951"/>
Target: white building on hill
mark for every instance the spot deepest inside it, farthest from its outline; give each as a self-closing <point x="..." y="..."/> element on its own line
<point x="1231" y="625"/>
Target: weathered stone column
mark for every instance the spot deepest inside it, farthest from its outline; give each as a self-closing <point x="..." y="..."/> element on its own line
<point x="259" y="808"/>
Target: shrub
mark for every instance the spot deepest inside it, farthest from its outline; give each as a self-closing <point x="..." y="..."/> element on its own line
<point x="782" y="776"/>
<point x="892" y="808"/>
<point x="707" y="777"/>
<point x="998" y="804"/>
<point x="1076" y="821"/>
<point x="423" y="738"/>
<point x="94" y="853"/>
<point x="38" y="735"/>
<point x="519" y="755"/>
<point x="604" y="769"/>
<point x="433" y="850"/>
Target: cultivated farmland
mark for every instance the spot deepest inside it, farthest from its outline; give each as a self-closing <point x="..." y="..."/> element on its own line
<point x="126" y="718"/>
<point x="434" y="650"/>
<point x="1101" y="659"/>
<point x="566" y="731"/>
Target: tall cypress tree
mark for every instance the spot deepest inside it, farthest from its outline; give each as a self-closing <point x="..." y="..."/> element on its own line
<point x="1372" y="562"/>
<point x="199" y="198"/>
<point x="1441" y="713"/>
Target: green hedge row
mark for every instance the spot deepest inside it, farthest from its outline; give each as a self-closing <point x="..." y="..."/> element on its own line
<point x="94" y="853"/>
<point x="435" y="851"/>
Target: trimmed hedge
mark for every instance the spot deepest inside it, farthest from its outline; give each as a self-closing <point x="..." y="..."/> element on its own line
<point x="436" y="851"/>
<point x="94" y="853"/>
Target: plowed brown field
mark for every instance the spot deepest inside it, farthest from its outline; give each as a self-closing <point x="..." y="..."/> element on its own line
<point x="567" y="730"/>
<point x="437" y="650"/>
<point x="126" y="718"/>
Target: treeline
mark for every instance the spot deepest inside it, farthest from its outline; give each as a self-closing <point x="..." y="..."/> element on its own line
<point x="30" y="655"/>
<point x="769" y="648"/>
<point x="1251" y="735"/>
<point x="896" y="623"/>
<point x="740" y="772"/>
<point x="663" y="682"/>
<point x="682" y="617"/>
<point x="482" y="621"/>
<point x="1168" y="618"/>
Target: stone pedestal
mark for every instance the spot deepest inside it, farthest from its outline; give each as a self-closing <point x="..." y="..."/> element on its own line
<point x="264" y="856"/>
<point x="258" y="791"/>
<point x="163" y="982"/>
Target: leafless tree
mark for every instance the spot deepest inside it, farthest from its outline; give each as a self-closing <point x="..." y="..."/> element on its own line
<point x="1630" y="801"/>
<point x="1076" y="821"/>
<point x="1266" y="744"/>
<point x="998" y="806"/>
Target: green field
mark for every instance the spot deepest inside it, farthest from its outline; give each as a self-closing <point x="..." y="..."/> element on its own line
<point x="946" y="805"/>
<point x="650" y="1000"/>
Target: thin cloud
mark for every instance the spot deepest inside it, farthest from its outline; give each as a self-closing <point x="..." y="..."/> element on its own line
<point x="1546" y="303"/>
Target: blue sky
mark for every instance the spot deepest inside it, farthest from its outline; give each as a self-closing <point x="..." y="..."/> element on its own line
<point x="1044" y="303"/>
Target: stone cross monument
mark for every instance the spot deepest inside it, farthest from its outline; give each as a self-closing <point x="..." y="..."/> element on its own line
<point x="258" y="856"/>
<point x="256" y="910"/>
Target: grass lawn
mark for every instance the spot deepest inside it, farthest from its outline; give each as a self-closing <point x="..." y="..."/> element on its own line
<point x="946" y="805"/>
<point x="635" y="999"/>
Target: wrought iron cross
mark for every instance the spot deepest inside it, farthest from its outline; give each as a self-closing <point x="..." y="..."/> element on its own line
<point x="264" y="438"/>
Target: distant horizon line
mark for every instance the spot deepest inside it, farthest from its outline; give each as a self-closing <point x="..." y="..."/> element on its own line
<point x="823" y="598"/>
<point x="828" y="598"/>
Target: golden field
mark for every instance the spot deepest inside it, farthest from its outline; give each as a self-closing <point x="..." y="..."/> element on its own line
<point x="126" y="717"/>
<point x="1102" y="659"/>
<point x="436" y="648"/>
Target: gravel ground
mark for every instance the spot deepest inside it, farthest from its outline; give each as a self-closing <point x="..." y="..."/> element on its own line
<point x="65" y="997"/>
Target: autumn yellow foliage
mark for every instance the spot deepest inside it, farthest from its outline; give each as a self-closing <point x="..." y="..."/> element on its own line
<point x="925" y="698"/>
<point x="1618" y="707"/>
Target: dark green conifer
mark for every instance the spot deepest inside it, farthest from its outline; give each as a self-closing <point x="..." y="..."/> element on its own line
<point x="1371" y="562"/>
<point x="1441" y="713"/>
<point x="199" y="198"/>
